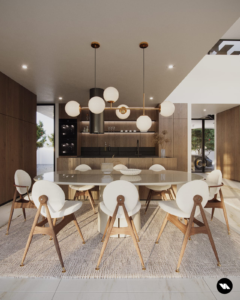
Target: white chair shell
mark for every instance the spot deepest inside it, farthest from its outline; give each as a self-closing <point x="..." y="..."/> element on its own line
<point x="56" y="196"/>
<point x="214" y="179"/>
<point x="186" y="193"/>
<point x="83" y="168"/>
<point x="157" y="168"/>
<point x="124" y="188"/>
<point x="120" y="167"/>
<point x="22" y="178"/>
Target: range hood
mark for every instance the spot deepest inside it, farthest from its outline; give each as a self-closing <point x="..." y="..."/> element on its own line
<point x="96" y="125"/>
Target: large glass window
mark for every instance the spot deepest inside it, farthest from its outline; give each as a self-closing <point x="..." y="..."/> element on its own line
<point x="45" y="138"/>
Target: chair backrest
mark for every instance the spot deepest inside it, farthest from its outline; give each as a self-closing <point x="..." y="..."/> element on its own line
<point x="186" y="193"/>
<point x="117" y="188"/>
<point x="214" y="178"/>
<point x="83" y="168"/>
<point x="22" y="178"/>
<point x="157" y="167"/>
<point x="120" y="167"/>
<point x="56" y="196"/>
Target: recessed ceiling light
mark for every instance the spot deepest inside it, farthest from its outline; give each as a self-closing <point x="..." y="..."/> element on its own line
<point x="24" y="66"/>
<point x="204" y="109"/>
<point x="170" y="67"/>
<point x="60" y="98"/>
<point x="151" y="98"/>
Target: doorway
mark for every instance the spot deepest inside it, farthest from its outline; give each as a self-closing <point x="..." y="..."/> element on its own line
<point x="45" y="138"/>
<point x="203" y="145"/>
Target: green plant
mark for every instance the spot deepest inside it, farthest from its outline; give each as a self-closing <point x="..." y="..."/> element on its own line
<point x="51" y="140"/>
<point x="197" y="140"/>
<point x="41" y="135"/>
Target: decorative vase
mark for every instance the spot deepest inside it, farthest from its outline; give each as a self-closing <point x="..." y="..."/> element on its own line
<point x="162" y="152"/>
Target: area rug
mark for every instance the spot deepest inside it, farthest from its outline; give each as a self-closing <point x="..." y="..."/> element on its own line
<point x="120" y="259"/>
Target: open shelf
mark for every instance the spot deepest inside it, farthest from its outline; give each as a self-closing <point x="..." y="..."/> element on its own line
<point x="138" y="132"/>
<point x="120" y="121"/>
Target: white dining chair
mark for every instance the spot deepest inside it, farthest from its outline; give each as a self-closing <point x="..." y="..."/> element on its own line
<point x="120" y="167"/>
<point x="120" y="200"/>
<point x="214" y="181"/>
<point x="22" y="183"/>
<point x="156" y="190"/>
<point x="190" y="200"/>
<point x="84" y="190"/>
<point x="49" y="198"/>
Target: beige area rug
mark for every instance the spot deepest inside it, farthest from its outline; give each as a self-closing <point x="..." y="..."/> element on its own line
<point x="120" y="259"/>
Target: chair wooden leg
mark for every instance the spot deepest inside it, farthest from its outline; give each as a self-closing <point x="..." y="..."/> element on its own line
<point x="11" y="211"/>
<point x="30" y="236"/>
<point x="133" y="237"/>
<point x="75" y="196"/>
<point x="173" y="192"/>
<point x="162" y="228"/>
<point x="134" y="229"/>
<point x="107" y="238"/>
<point x="78" y="228"/>
<point x="106" y="228"/>
<point x="213" y="209"/>
<point x="186" y="237"/>
<point x="148" y="200"/>
<point x="209" y="234"/>
<point x="91" y="201"/>
<point x="24" y="214"/>
<point x="224" y="210"/>
<point x="55" y="239"/>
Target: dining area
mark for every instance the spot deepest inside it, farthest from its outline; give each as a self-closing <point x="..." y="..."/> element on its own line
<point x="119" y="234"/>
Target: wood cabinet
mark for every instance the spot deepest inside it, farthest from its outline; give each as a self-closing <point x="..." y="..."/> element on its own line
<point x="17" y="134"/>
<point x="228" y="143"/>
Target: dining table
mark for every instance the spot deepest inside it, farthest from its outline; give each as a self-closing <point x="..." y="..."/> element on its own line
<point x="102" y="178"/>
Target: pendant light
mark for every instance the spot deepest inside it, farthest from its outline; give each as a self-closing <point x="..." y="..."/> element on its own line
<point x="111" y="95"/>
<point x="123" y="112"/>
<point x="96" y="104"/>
<point x="73" y="108"/>
<point x="143" y="122"/>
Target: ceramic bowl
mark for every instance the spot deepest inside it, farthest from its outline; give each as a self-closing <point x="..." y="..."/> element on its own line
<point x="131" y="172"/>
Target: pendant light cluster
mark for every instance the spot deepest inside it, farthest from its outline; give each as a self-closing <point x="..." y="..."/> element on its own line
<point x="97" y="104"/>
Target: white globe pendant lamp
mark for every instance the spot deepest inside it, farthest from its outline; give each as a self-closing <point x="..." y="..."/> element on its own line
<point x="111" y="95"/>
<point x="73" y="108"/>
<point x="123" y="112"/>
<point x="167" y="108"/>
<point x="144" y="123"/>
<point x="96" y="105"/>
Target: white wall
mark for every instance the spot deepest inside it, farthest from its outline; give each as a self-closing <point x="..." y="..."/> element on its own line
<point x="215" y="79"/>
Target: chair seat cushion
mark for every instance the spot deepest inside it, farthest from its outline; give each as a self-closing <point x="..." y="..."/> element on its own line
<point x="81" y="187"/>
<point x="159" y="188"/>
<point x="172" y="208"/>
<point x="69" y="207"/>
<point x="120" y="213"/>
<point x="26" y="197"/>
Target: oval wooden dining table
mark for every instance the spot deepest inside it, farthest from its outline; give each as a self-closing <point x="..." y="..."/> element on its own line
<point x="101" y="179"/>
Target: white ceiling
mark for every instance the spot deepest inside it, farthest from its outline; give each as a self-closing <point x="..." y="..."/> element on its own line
<point x="53" y="38"/>
<point x="233" y="32"/>
<point x="211" y="109"/>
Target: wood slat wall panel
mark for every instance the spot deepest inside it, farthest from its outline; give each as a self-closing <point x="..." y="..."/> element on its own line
<point x="116" y="161"/>
<point x="228" y="143"/>
<point x="180" y="149"/>
<point x="166" y="124"/>
<point x="17" y="134"/>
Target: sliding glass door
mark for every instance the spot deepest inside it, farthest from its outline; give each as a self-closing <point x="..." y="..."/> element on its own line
<point x="45" y="138"/>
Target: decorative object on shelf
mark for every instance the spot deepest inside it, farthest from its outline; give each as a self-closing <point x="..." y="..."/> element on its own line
<point x="161" y="140"/>
<point x="73" y="108"/>
<point x="143" y="122"/>
<point x="97" y="104"/>
<point x="111" y="95"/>
<point x="131" y="172"/>
<point x="123" y="112"/>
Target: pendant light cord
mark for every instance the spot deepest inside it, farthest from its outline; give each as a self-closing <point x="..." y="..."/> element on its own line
<point x="143" y="84"/>
<point x="95" y="67"/>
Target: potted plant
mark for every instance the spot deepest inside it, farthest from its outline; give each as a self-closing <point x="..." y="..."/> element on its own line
<point x="162" y="140"/>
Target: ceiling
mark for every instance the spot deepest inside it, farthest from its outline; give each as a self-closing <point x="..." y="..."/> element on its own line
<point x="53" y="38"/>
<point x="211" y="109"/>
<point x="233" y="32"/>
<point x="46" y="110"/>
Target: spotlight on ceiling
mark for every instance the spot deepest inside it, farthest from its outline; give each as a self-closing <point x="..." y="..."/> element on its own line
<point x="170" y="67"/>
<point x="24" y="67"/>
<point x="204" y="109"/>
<point x="151" y="98"/>
<point x="60" y="98"/>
